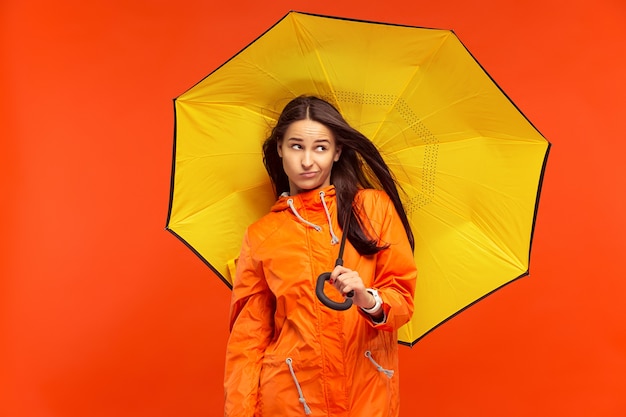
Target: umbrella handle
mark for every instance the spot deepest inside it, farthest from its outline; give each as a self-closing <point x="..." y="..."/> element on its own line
<point x="319" y="291"/>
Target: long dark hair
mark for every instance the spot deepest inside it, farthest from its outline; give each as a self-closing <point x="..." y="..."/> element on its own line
<point x="360" y="166"/>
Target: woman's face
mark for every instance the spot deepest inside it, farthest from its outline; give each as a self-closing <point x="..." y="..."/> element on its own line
<point x="308" y="151"/>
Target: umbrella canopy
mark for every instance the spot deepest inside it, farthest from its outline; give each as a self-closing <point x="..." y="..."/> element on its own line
<point x="469" y="162"/>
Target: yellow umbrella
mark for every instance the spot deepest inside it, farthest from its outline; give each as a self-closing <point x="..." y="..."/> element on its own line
<point x="469" y="162"/>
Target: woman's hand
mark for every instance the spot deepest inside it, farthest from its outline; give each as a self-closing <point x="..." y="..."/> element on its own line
<point x="346" y="280"/>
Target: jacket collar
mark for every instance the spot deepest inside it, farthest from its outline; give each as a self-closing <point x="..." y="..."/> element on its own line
<point x="311" y="200"/>
<point x="312" y="204"/>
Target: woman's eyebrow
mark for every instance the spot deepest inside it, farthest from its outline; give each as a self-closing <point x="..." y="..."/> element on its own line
<point x="298" y="139"/>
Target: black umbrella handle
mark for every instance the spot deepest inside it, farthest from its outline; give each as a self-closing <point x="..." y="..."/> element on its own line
<point x="319" y="287"/>
<point x="319" y="291"/>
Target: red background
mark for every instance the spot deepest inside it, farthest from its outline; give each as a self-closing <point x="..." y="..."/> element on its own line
<point x="106" y="314"/>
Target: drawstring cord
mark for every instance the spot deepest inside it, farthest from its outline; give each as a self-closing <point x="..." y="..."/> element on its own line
<point x="333" y="240"/>
<point x="307" y="410"/>
<point x="387" y="372"/>
<point x="302" y="219"/>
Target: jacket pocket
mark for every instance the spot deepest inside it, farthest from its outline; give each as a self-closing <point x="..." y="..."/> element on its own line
<point x="289" y="363"/>
<point x="387" y="372"/>
<point x="379" y="393"/>
<point x="288" y="386"/>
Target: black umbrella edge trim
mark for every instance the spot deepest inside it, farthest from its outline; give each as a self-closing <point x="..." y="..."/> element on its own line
<point x="539" y="189"/>
<point x="236" y="54"/>
<point x="350" y="19"/>
<point x="171" y="202"/>
<point x="314" y="15"/>
<point x="411" y="344"/>
<point x="215" y="271"/>
<point x="173" y="172"/>
<point x="501" y="90"/>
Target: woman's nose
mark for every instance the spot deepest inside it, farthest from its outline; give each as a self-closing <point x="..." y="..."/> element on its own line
<point x="307" y="160"/>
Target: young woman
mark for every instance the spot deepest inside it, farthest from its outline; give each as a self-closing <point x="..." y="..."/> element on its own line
<point x="288" y="354"/>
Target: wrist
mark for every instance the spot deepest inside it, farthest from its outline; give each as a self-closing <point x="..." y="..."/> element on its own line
<point x="378" y="303"/>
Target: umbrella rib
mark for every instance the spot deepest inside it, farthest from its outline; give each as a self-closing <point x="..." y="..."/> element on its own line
<point x="400" y="96"/>
<point x="302" y="44"/>
<point x="213" y="203"/>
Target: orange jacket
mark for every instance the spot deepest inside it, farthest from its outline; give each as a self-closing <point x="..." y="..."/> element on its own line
<point x="288" y="354"/>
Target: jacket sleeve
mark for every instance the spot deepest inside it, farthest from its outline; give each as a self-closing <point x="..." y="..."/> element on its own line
<point x="251" y="328"/>
<point x="396" y="272"/>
